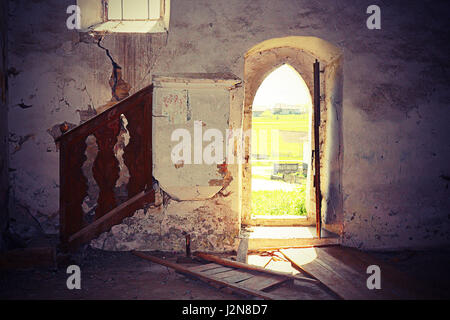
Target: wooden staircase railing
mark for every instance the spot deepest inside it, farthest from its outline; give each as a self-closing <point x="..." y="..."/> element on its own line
<point x="74" y="229"/>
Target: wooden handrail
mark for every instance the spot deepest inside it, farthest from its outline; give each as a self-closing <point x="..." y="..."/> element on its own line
<point x="108" y="115"/>
<point x="137" y="157"/>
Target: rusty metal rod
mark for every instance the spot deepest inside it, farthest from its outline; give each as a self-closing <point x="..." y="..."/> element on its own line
<point x="317" y="147"/>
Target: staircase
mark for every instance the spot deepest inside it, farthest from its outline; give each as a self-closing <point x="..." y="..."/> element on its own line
<point x="75" y="229"/>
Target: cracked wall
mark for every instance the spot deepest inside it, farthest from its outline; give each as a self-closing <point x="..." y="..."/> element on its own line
<point x="211" y="225"/>
<point x="195" y="199"/>
<point x="395" y="101"/>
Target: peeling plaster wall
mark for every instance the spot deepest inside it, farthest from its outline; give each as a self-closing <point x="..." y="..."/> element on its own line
<point x="211" y="224"/>
<point x="4" y="181"/>
<point x="395" y="172"/>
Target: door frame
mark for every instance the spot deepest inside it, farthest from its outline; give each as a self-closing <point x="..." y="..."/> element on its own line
<point x="301" y="53"/>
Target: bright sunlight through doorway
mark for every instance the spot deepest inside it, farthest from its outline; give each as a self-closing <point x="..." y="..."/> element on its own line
<point x="281" y="144"/>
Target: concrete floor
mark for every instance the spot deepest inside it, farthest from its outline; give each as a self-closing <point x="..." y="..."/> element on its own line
<point x="106" y="275"/>
<point x="121" y="275"/>
<point x="430" y="267"/>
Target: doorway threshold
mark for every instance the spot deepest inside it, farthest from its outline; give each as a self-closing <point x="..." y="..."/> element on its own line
<point x="279" y="221"/>
<point x="263" y="237"/>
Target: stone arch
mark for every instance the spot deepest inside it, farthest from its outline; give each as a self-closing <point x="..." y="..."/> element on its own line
<point x="300" y="53"/>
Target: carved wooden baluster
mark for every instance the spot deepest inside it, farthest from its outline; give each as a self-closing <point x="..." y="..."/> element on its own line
<point x="134" y="153"/>
<point x="73" y="187"/>
<point x="106" y="167"/>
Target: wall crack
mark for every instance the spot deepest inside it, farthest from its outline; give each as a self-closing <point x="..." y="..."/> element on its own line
<point x="115" y="68"/>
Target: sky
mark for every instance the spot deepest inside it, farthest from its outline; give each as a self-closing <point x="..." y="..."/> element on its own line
<point x="283" y="85"/>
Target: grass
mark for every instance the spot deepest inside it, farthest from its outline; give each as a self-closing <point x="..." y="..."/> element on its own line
<point x="279" y="202"/>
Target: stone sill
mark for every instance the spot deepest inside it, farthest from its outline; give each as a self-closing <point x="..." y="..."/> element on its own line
<point x="267" y="220"/>
<point x="155" y="26"/>
<point x="287" y="217"/>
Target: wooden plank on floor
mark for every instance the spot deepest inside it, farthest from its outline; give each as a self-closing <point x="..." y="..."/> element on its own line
<point x="263" y="282"/>
<point x="393" y="281"/>
<point x="355" y="271"/>
<point x="344" y="271"/>
<point x="325" y="274"/>
<point x="245" y="266"/>
<point x="229" y="274"/>
<point x="356" y="276"/>
<point x="235" y="286"/>
<point x="216" y="271"/>
<point x="238" y="277"/>
<point x="205" y="267"/>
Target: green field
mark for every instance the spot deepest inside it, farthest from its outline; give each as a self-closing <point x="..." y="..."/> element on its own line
<point x="262" y="127"/>
<point x="277" y="202"/>
<point x="294" y="122"/>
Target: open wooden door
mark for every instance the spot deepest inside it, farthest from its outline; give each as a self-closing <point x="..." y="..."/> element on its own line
<point x="316" y="153"/>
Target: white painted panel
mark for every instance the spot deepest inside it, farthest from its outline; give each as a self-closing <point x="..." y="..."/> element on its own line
<point x="155" y="9"/>
<point x="115" y="10"/>
<point x="174" y="106"/>
<point x="175" y="109"/>
<point x="135" y="9"/>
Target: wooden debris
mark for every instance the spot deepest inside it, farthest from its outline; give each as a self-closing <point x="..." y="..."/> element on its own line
<point x="343" y="271"/>
<point x="257" y="251"/>
<point x="235" y="264"/>
<point x="234" y="281"/>
<point x="262" y="282"/>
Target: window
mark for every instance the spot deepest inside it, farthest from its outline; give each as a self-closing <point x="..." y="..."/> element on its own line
<point x="134" y="9"/>
<point x="125" y="16"/>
